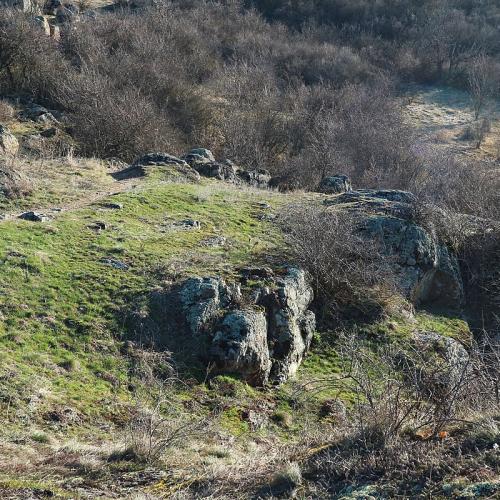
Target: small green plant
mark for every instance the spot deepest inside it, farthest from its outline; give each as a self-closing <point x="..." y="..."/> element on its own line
<point x="40" y="437"/>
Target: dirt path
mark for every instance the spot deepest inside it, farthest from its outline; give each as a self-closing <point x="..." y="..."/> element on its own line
<point x="90" y="198"/>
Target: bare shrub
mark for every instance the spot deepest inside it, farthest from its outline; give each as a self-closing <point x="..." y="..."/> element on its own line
<point x="29" y="60"/>
<point x="400" y="426"/>
<point x="114" y="124"/>
<point x="13" y="183"/>
<point x="349" y="275"/>
<point x="362" y="134"/>
<point x="481" y="79"/>
<point x="480" y="254"/>
<point x="458" y="184"/>
<point x="151" y="431"/>
<point x="6" y="111"/>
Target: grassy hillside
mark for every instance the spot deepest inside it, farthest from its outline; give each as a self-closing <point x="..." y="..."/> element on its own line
<point x="72" y="391"/>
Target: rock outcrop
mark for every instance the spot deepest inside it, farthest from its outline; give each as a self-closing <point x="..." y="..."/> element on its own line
<point x="24" y="5"/>
<point x="204" y="162"/>
<point x="441" y="367"/>
<point x="335" y="184"/>
<point x="427" y="271"/>
<point x="240" y="346"/>
<point x="140" y="166"/>
<point x="262" y="341"/>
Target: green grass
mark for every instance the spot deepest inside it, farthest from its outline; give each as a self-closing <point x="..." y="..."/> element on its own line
<point x="44" y="488"/>
<point x="61" y="307"/>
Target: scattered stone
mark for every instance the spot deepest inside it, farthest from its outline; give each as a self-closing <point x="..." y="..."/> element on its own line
<point x="46" y="118"/>
<point x="188" y="224"/>
<point x="257" y="418"/>
<point x="335" y="184"/>
<point x="256" y="273"/>
<point x="152" y="159"/>
<point x="263" y="205"/>
<point x="9" y="145"/>
<point x="215" y="241"/>
<point x="257" y="178"/>
<point x="334" y="409"/>
<point x="55" y="31"/>
<point x="199" y="155"/>
<point x="98" y="226"/>
<point x="66" y="13"/>
<point x="50" y="7"/>
<point x="35" y="112"/>
<point x="34" y="217"/>
<point x="269" y="217"/>
<point x="203" y="161"/>
<point x="216" y="170"/>
<point x="442" y="364"/>
<point x="49" y="132"/>
<point x="117" y="264"/>
<point x="113" y="206"/>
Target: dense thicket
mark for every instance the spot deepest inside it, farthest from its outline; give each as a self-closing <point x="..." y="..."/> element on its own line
<point x="303" y="99"/>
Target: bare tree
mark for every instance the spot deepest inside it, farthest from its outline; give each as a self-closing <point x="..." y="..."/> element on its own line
<point x="481" y="82"/>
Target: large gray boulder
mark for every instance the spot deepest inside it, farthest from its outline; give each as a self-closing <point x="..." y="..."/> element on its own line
<point x="9" y="145"/>
<point x="199" y="156"/>
<point x="240" y="346"/>
<point x="263" y="341"/>
<point x="335" y="184"/>
<point x="441" y="366"/>
<point x="426" y="270"/>
<point x="202" y="298"/>
<point x="291" y="324"/>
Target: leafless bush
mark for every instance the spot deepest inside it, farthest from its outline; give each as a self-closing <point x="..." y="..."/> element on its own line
<point x="457" y="184"/>
<point x="13" y="183"/>
<point x="151" y="431"/>
<point x="399" y="421"/>
<point x="29" y="60"/>
<point x="114" y="124"/>
<point x="480" y="255"/>
<point x="6" y="111"/>
<point x="349" y="274"/>
<point x="481" y="79"/>
<point x="361" y="134"/>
